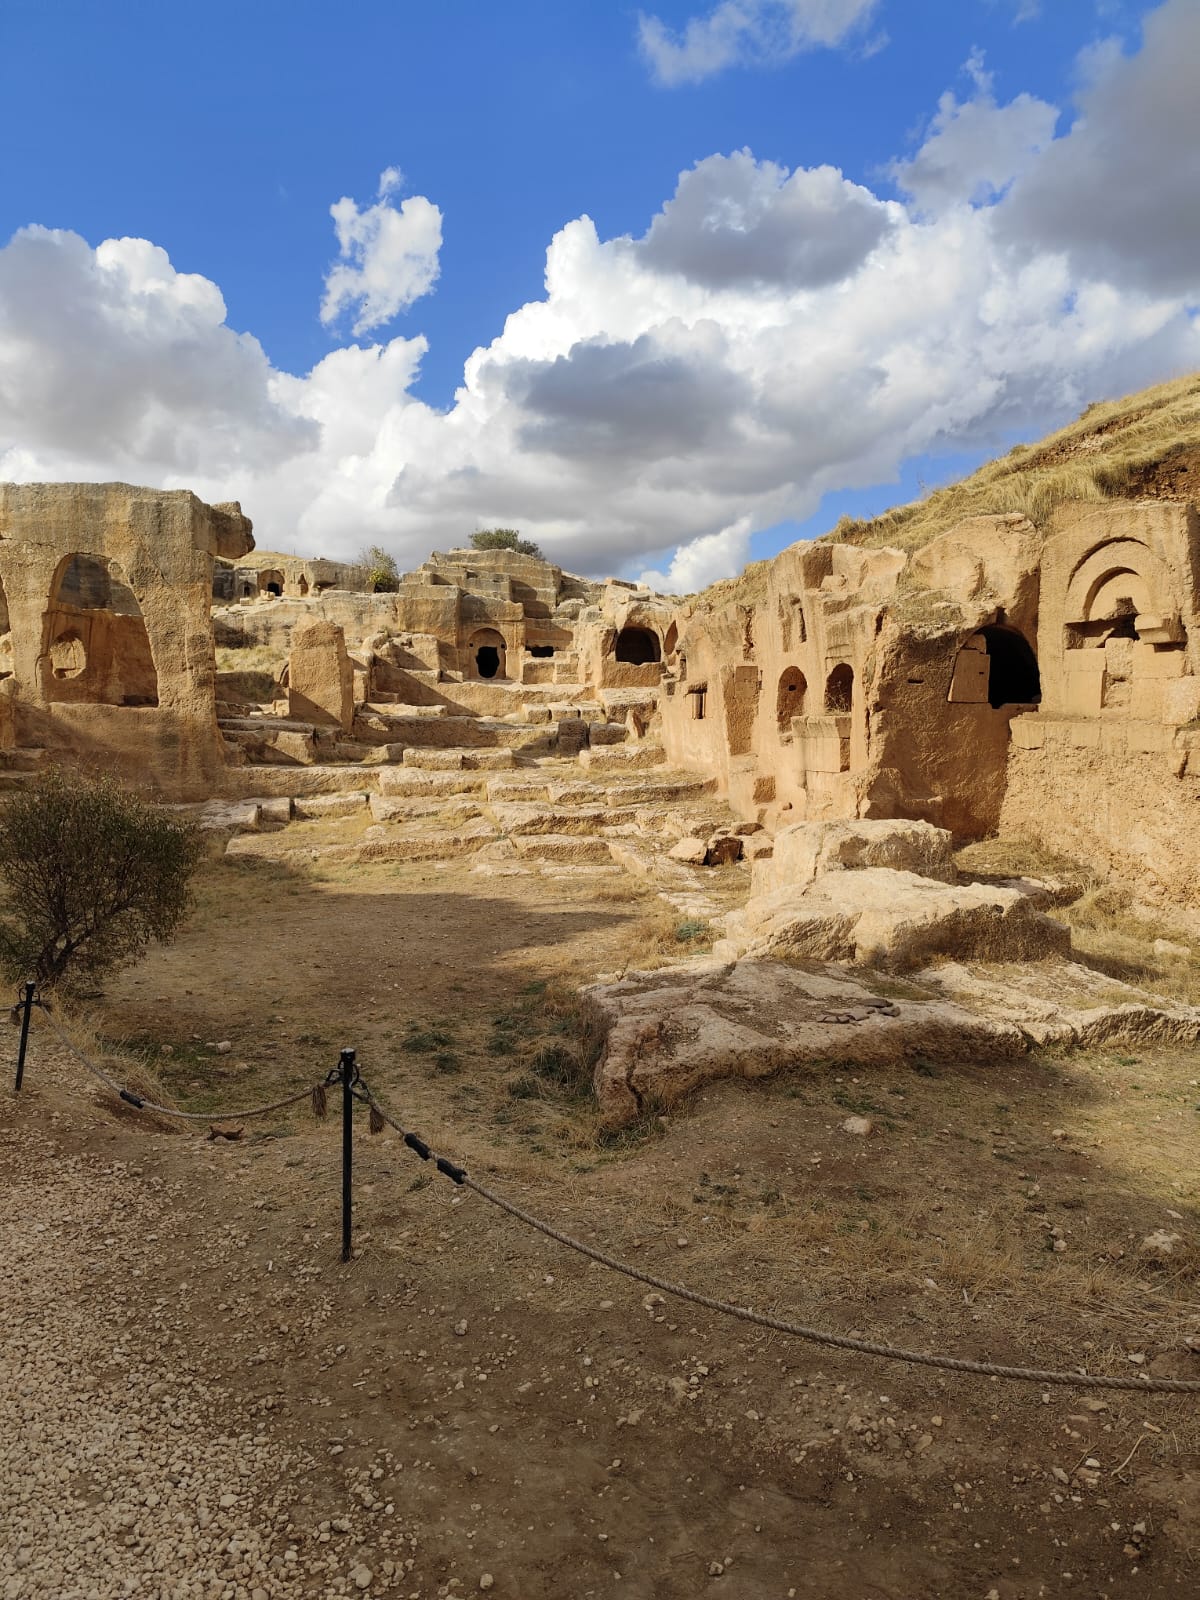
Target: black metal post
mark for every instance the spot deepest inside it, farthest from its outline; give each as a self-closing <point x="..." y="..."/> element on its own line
<point x="348" y="1074"/>
<point x="26" y="1013"/>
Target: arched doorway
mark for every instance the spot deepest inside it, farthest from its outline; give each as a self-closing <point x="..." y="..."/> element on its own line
<point x="488" y="654"/>
<point x="839" y="691"/>
<point x="1013" y="676"/>
<point x="638" y="647"/>
<point x="6" y="649"/>
<point x="270" y="581"/>
<point x="789" y="701"/>
<point x="997" y="665"/>
<point x="95" y="647"/>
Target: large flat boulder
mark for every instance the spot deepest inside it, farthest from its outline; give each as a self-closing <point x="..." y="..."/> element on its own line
<point x="880" y="917"/>
<point x="672" y="1030"/>
<point x="807" y="849"/>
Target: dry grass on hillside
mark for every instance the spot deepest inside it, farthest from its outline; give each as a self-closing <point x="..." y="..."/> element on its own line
<point x="1107" y="454"/>
<point x="1111" y="930"/>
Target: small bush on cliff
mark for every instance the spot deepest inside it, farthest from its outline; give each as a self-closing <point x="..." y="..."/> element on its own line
<point x="93" y="876"/>
<point x="379" y="569"/>
<point x="504" y="539"/>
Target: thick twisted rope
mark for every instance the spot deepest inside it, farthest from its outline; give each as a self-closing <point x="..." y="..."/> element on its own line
<point x="763" y="1319"/>
<point x="140" y="1103"/>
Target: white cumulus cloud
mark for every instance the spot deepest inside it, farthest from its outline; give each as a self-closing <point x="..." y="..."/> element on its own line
<point x="1120" y="193"/>
<point x="703" y="561"/>
<point x="758" y="32"/>
<point x="771" y="336"/>
<point x="734" y="220"/>
<point x="975" y="148"/>
<point x="388" y="258"/>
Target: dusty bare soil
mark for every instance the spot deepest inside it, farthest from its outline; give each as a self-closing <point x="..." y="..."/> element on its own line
<point x="466" y="1402"/>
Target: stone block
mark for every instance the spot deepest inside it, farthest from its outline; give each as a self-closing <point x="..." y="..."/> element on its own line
<point x="329" y="805"/>
<point x="1147" y="700"/>
<point x="969" y="685"/>
<point x="1160" y="628"/>
<point x="1149" y="662"/>
<point x="414" y="781"/>
<point x="880" y="916"/>
<point x="1149" y="736"/>
<point x="432" y="759"/>
<point x="690" y="851"/>
<point x="806" y="849"/>
<point x="1085" y="735"/>
<point x="1181" y="701"/>
<point x="1083" y="692"/>
<point x="622" y="757"/>
<point x="561" y="847"/>
<point x="1084" y="661"/>
<point x="488" y="760"/>
<point x="820" y="741"/>
<point x="321" y="676"/>
<point x="384" y="754"/>
<point x="298" y="747"/>
<point x="1028" y="732"/>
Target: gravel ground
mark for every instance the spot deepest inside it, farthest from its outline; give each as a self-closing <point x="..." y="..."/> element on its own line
<point x="122" y="1472"/>
<point x="198" y="1398"/>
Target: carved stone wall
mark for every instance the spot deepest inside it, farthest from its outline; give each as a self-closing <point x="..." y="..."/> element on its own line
<point x="107" y="590"/>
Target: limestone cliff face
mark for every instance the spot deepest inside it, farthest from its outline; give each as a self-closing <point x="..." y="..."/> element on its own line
<point x="841" y="682"/>
<point x="106" y="590"/>
<point x="1046" y="680"/>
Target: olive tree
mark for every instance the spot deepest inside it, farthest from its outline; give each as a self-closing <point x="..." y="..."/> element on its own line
<point x="379" y="568"/>
<point x="504" y="539"/>
<point x="93" y="875"/>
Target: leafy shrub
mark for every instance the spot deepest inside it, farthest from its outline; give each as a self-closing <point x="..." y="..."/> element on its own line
<point x="379" y="569"/>
<point x="93" y="876"/>
<point x="504" y="539"/>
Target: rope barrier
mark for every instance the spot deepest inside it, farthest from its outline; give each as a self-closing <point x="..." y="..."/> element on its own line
<point x="458" y="1175"/>
<point x="763" y="1319"/>
<point x="140" y="1103"/>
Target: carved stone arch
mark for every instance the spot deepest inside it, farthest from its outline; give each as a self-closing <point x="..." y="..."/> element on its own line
<point x="488" y="654"/>
<point x="789" y="699"/>
<point x="637" y="645"/>
<point x="839" y="690"/>
<point x="996" y="666"/>
<point x="95" y="647"/>
<point x="1115" y="583"/>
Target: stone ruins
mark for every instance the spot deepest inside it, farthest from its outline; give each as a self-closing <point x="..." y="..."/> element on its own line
<point x="837" y="717"/>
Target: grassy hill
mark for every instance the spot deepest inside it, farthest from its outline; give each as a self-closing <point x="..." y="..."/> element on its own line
<point x="1146" y="445"/>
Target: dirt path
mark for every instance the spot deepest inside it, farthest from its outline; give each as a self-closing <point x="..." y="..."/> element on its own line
<point x="201" y="1400"/>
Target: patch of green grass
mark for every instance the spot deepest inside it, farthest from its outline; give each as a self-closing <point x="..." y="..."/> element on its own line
<point x="425" y="1040"/>
<point x="644" y="1127"/>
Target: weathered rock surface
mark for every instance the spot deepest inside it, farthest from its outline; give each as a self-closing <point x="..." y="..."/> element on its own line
<point x="884" y="917"/>
<point x="807" y="849"/>
<point x="672" y="1030"/>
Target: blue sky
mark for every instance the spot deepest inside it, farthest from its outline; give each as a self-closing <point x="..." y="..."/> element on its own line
<point x="777" y="348"/>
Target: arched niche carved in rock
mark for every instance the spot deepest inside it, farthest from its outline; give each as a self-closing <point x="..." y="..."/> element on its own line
<point x="95" y="648"/>
<point x="789" y="699"/>
<point x="488" y="654"/>
<point x="839" y="690"/>
<point x="638" y="647"/>
<point x="996" y="666"/>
